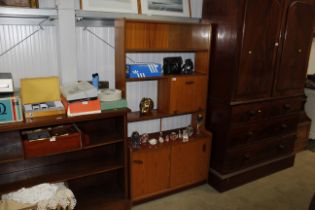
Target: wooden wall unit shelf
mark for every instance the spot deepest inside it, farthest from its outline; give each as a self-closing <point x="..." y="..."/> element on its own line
<point x="177" y="95"/>
<point x="103" y="154"/>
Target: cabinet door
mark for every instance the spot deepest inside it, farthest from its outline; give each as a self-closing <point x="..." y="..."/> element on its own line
<point x="262" y="22"/>
<point x="296" y="48"/>
<point x="190" y="162"/>
<point x="149" y="171"/>
<point x="187" y="94"/>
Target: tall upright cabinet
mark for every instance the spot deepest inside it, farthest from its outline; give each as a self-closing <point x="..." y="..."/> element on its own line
<point x="259" y="59"/>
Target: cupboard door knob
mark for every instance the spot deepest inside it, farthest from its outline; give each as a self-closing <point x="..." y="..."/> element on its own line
<point x="287" y="106"/>
<point x="138" y="161"/>
<point x="284" y="126"/>
<point x="250" y="52"/>
<point x="299" y="50"/>
<point x="189" y="82"/>
<point x="246" y="156"/>
<point x="277" y="44"/>
<point x="204" y="147"/>
<point x="252" y="113"/>
<point x="281" y="146"/>
<point x="250" y="134"/>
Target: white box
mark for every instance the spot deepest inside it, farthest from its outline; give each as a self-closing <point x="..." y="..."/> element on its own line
<point x="6" y="83"/>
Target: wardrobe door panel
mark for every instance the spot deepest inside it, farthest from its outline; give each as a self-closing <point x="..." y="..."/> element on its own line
<point x="262" y="22"/>
<point x="295" y="54"/>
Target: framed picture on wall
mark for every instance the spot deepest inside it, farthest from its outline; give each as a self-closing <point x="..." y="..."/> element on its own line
<point x="123" y="6"/>
<point x="166" y="7"/>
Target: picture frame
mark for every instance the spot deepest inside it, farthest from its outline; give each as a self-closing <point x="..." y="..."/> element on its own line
<point x="19" y="3"/>
<point x="119" y="6"/>
<point x="180" y="8"/>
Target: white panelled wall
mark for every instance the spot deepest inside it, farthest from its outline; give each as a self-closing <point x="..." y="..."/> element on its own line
<point x="40" y="55"/>
<point x="35" y="57"/>
<point x="311" y="63"/>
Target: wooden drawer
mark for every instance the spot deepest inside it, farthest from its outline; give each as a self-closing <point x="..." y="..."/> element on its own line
<point x="286" y="106"/>
<point x="63" y="138"/>
<point x="268" y="128"/>
<point x="250" y="112"/>
<point x="258" y="153"/>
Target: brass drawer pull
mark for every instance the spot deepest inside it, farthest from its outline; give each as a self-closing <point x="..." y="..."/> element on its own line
<point x="204" y="147"/>
<point x="247" y="157"/>
<point x="287" y="106"/>
<point x="250" y="134"/>
<point x="284" y="126"/>
<point x="281" y="146"/>
<point x="138" y="161"/>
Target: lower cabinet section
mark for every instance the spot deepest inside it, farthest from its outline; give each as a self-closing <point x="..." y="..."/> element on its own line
<point x="169" y="166"/>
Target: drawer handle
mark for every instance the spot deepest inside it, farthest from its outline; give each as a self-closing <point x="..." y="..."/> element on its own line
<point x="138" y="161"/>
<point x="252" y="112"/>
<point x="287" y="106"/>
<point x="250" y="134"/>
<point x="284" y="126"/>
<point x="189" y="82"/>
<point x="281" y="147"/>
<point x="247" y="156"/>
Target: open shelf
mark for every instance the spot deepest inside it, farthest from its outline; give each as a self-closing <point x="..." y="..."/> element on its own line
<point x="98" y="139"/>
<point x="164" y="77"/>
<point x="101" y="191"/>
<point x="60" y="119"/>
<point x="155" y="114"/>
<point x="58" y="172"/>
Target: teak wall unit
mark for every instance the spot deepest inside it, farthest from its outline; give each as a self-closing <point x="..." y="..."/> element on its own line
<point x="257" y="73"/>
<point x="96" y="172"/>
<point x="160" y="169"/>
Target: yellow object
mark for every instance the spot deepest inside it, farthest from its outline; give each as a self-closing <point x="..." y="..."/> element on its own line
<point x="40" y="89"/>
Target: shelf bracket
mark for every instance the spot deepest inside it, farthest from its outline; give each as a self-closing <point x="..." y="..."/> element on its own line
<point x="104" y="41"/>
<point x="25" y="38"/>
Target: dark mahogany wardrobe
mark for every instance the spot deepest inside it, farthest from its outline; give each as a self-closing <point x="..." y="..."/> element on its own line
<point x="258" y="64"/>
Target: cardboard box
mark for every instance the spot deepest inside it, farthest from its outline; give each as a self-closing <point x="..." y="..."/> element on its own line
<point x="82" y="107"/>
<point x="141" y="70"/>
<point x="10" y="109"/>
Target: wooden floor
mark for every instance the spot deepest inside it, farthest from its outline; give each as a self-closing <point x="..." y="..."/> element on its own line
<point x="290" y="189"/>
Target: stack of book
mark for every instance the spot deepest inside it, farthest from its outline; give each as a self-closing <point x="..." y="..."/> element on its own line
<point x="80" y="99"/>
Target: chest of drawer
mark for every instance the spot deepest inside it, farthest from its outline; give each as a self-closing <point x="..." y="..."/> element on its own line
<point x="254" y="132"/>
<point x="258" y="153"/>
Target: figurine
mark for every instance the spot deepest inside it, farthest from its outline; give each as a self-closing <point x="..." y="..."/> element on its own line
<point x="173" y="136"/>
<point x="135" y="140"/>
<point x="144" y="138"/>
<point x="185" y="135"/>
<point x="167" y="138"/>
<point x="161" y="139"/>
<point x="190" y="130"/>
<point x="199" y="122"/>
<point x="146" y="106"/>
<point x="179" y="134"/>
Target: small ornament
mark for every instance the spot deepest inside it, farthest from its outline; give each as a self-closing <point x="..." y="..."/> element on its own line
<point x="167" y="138"/>
<point x="173" y="136"/>
<point x="190" y="130"/>
<point x="135" y="140"/>
<point x="144" y="138"/>
<point x="185" y="136"/>
<point x="146" y="106"/>
<point x="161" y="139"/>
<point x="199" y="121"/>
<point x="180" y="134"/>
